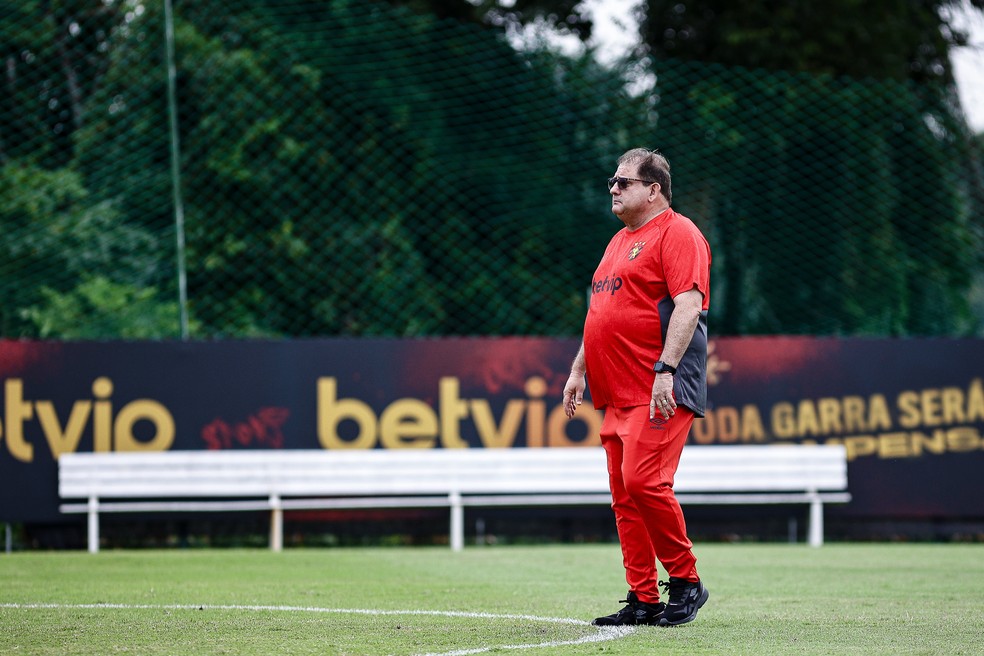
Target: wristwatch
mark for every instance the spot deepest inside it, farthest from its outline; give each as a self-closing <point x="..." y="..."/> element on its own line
<point x="663" y="368"/>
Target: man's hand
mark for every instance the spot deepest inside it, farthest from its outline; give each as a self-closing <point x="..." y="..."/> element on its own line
<point x="573" y="393"/>
<point x="662" y="400"/>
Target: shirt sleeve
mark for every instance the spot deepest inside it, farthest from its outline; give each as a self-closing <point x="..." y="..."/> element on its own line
<point x="686" y="259"/>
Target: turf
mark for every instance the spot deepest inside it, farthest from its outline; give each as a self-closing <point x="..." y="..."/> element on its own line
<point x="765" y="599"/>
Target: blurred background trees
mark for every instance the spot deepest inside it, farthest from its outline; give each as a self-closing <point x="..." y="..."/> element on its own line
<point x="403" y="168"/>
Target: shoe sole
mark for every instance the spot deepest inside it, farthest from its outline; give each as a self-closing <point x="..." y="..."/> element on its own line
<point x="689" y="618"/>
<point x="653" y="622"/>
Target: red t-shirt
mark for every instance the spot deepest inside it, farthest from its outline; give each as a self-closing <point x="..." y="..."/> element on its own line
<point x="631" y="302"/>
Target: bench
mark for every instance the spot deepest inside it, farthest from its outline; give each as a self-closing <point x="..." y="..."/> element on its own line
<point x="279" y="480"/>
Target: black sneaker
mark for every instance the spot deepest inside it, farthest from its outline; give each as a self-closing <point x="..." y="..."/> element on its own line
<point x="637" y="612"/>
<point x="686" y="597"/>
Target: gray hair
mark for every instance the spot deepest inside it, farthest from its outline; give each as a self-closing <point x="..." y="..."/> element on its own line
<point x="652" y="166"/>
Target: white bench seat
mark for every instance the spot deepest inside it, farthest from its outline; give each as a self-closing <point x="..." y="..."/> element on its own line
<point x="274" y="481"/>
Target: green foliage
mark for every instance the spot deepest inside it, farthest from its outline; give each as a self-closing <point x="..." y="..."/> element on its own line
<point x="568" y="16"/>
<point x="840" y="199"/>
<point x="98" y="307"/>
<point x="371" y="168"/>
<point x="883" y="39"/>
<point x="839" y="211"/>
<point x="53" y="236"/>
<point x="353" y="187"/>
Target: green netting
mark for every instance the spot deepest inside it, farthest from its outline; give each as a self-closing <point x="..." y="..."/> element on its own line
<point x="349" y="168"/>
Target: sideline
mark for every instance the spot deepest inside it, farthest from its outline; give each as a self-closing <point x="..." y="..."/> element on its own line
<point x="603" y="634"/>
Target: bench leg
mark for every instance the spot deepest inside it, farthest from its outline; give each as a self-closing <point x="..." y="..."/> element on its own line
<point x="93" y="525"/>
<point x="457" y="536"/>
<point x="276" y="524"/>
<point x="815" y="530"/>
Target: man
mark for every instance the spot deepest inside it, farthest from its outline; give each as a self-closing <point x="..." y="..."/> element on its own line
<point x="644" y="353"/>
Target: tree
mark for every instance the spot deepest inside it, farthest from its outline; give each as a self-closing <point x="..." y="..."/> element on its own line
<point x="360" y="168"/>
<point x="569" y="16"/>
<point x="838" y="205"/>
<point x="56" y="246"/>
<point x="54" y="53"/>
<point x="882" y="39"/>
<point x="408" y="188"/>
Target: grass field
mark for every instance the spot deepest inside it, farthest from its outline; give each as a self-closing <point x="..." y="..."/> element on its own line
<point x="765" y="599"/>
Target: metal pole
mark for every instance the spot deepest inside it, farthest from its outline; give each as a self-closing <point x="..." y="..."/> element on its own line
<point x="276" y="524"/>
<point x="10" y="537"/>
<point x="176" y="169"/>
<point x="457" y="537"/>
<point x="815" y="534"/>
<point x="93" y="525"/>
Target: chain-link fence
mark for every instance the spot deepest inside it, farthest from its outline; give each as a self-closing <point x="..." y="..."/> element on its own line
<point x="300" y="168"/>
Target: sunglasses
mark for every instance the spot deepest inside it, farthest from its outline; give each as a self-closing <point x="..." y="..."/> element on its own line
<point x="623" y="183"/>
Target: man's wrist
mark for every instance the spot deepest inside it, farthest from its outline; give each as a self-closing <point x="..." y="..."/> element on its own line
<point x="663" y="368"/>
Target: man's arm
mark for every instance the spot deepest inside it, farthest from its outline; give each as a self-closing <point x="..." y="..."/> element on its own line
<point x="680" y="331"/>
<point x="574" y="390"/>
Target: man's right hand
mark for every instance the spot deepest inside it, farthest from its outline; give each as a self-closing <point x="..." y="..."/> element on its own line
<point x="573" y="393"/>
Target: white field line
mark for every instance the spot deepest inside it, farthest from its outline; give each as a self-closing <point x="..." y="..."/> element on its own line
<point x="603" y="634"/>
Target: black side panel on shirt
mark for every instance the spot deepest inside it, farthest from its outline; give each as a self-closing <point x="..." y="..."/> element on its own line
<point x="690" y="381"/>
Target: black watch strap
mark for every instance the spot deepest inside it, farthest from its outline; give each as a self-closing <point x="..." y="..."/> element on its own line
<point x="663" y="368"/>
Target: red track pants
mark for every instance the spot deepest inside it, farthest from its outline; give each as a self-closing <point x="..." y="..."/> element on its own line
<point x="642" y="459"/>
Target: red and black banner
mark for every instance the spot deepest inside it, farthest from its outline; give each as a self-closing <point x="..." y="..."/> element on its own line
<point x="910" y="412"/>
